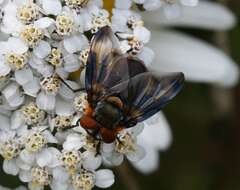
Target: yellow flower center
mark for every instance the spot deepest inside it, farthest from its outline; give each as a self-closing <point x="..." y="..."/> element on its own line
<point x="85" y="180"/>
<point x="125" y="144"/>
<point x="64" y="24"/>
<point x="76" y="4"/>
<point x="55" y="57"/>
<point x="35" y="142"/>
<point x="32" y="35"/>
<point x="16" y="61"/>
<point x="10" y="149"/>
<point x="32" y="114"/>
<point x="63" y="122"/>
<point x="28" y="13"/>
<point x="98" y="21"/>
<point x="51" y="84"/>
<point x="40" y="177"/>
<point x="83" y="57"/>
<point x="136" y="46"/>
<point x="134" y="22"/>
<point x="80" y="102"/>
<point x="71" y="160"/>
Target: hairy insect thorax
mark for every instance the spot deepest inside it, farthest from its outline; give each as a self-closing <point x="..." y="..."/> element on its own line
<point x="107" y="114"/>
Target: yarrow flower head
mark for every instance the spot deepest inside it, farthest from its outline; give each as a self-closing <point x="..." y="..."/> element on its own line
<point x="42" y="136"/>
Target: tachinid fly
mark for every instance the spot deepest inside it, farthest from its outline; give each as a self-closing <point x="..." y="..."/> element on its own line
<point x="120" y="90"/>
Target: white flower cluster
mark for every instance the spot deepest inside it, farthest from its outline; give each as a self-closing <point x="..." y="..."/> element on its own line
<point x="171" y="8"/>
<point x="49" y="149"/>
<point x="41" y="140"/>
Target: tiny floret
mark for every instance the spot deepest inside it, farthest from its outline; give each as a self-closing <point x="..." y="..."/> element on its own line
<point x="10" y="149"/>
<point x="28" y="13"/>
<point x="80" y="102"/>
<point x="40" y="177"/>
<point x="85" y="180"/>
<point x="56" y="57"/>
<point x="64" y="24"/>
<point x="76" y="4"/>
<point x="32" y="114"/>
<point x="125" y="143"/>
<point x="35" y="142"/>
<point x="32" y="35"/>
<point x="71" y="160"/>
<point x="16" y="61"/>
<point x="63" y="122"/>
<point x="51" y="84"/>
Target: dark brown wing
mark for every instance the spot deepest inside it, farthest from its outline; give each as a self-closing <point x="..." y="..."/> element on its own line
<point x="107" y="67"/>
<point x="146" y="94"/>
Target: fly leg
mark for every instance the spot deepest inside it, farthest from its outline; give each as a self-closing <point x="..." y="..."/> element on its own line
<point x="69" y="87"/>
<point x="98" y="148"/>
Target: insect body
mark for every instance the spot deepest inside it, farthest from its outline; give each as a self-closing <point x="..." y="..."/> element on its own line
<point x="120" y="90"/>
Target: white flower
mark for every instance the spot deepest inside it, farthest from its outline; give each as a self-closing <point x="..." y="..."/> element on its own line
<point x="55" y="95"/>
<point x="200" y="61"/>
<point x="13" y="95"/>
<point x="203" y="16"/>
<point x="132" y="34"/>
<point x="88" y="146"/>
<point x="125" y="145"/>
<point x="172" y="8"/>
<point x="87" y="179"/>
<point x="45" y="41"/>
<point x="13" y="57"/>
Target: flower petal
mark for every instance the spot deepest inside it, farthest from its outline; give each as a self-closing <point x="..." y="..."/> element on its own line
<point x="172" y="11"/>
<point x="75" y="43"/>
<point x="67" y="93"/>
<point x="199" y="61"/>
<point x="44" y="22"/>
<point x="207" y="15"/>
<point x="157" y="132"/>
<point x="26" y="157"/>
<point x="123" y="4"/>
<point x="92" y="162"/>
<point x="189" y="2"/>
<point x="150" y="162"/>
<point x="73" y="142"/>
<point x="46" y="102"/>
<point x="24" y="76"/>
<point x="44" y="157"/>
<point x="16" y="120"/>
<point x="137" y="155"/>
<point x="23" y="165"/>
<point x="104" y="178"/>
<point x="42" y="50"/>
<point x="63" y="107"/>
<point x="17" y="46"/>
<point x="71" y="63"/>
<point x="60" y="174"/>
<point x="32" y="87"/>
<point x="4" y="68"/>
<point x="10" y="167"/>
<point x="146" y="55"/>
<point x="25" y="176"/>
<point x="52" y="7"/>
<point x="5" y="123"/>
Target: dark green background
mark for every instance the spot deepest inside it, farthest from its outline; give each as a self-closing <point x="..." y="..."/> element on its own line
<point x="205" y="154"/>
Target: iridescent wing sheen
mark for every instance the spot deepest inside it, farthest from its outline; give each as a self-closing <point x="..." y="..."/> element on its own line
<point x="106" y="66"/>
<point x="146" y="94"/>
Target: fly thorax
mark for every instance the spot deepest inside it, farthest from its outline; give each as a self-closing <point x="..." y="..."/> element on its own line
<point x="107" y="114"/>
